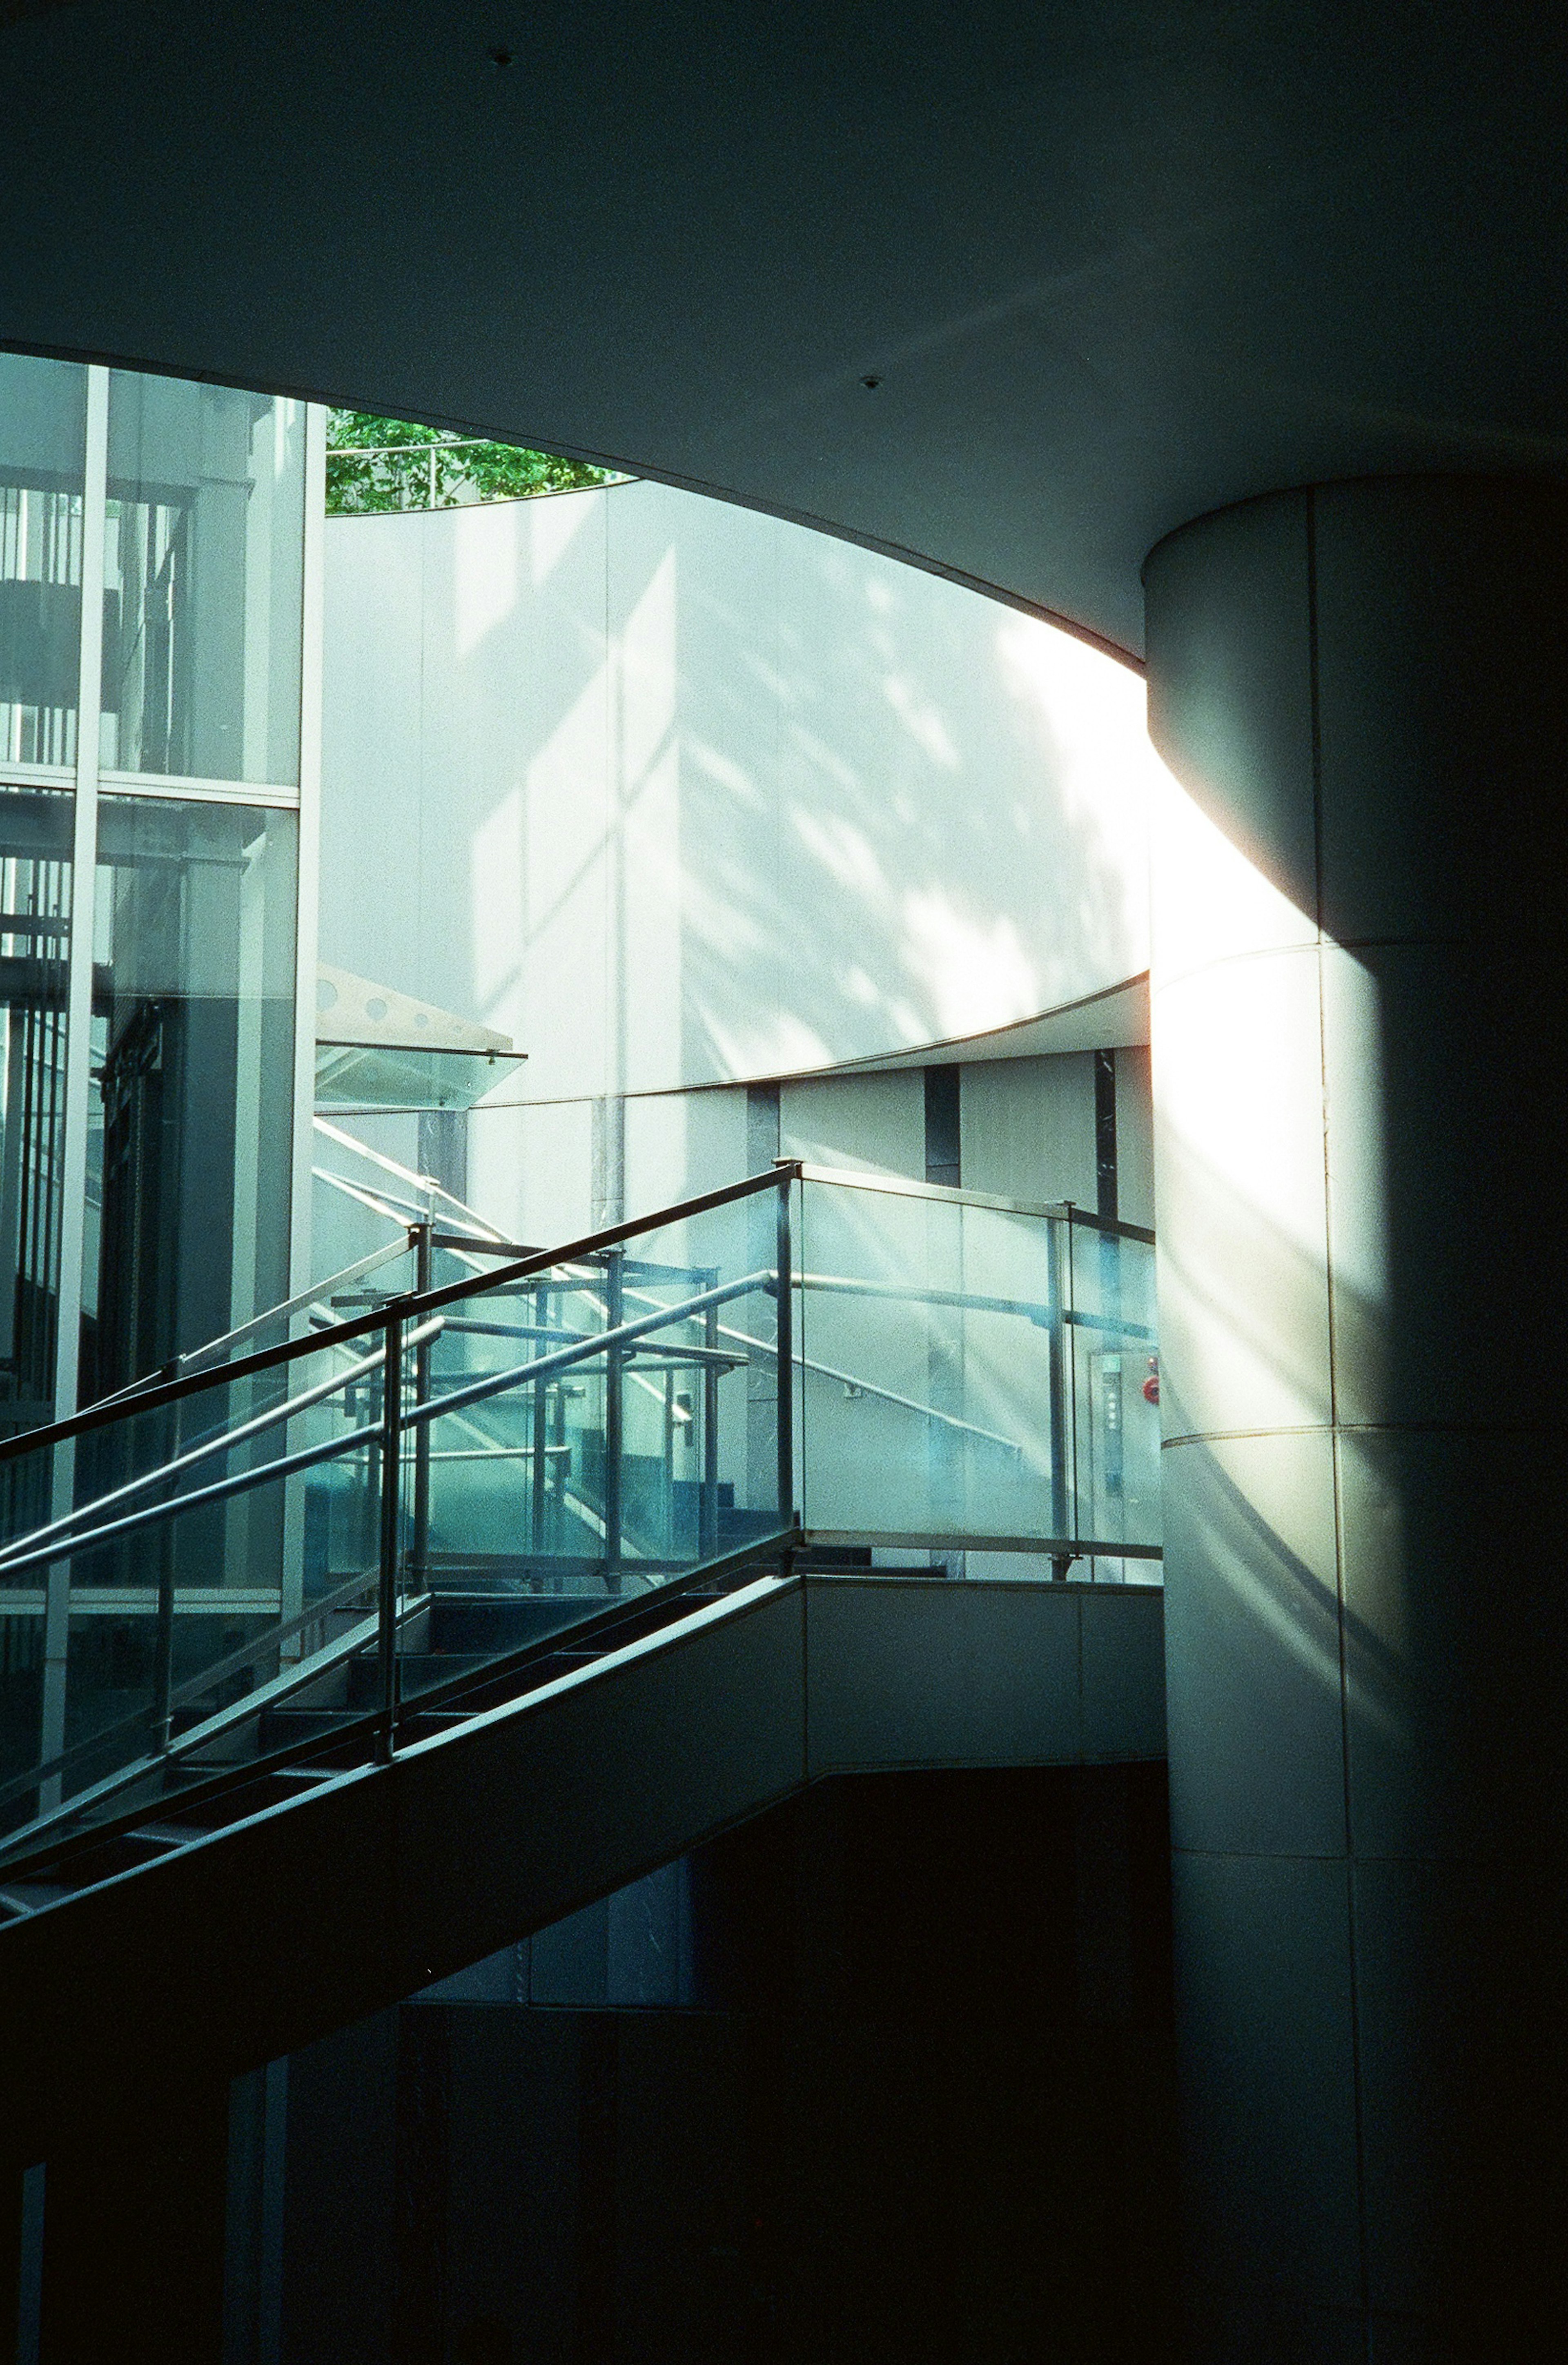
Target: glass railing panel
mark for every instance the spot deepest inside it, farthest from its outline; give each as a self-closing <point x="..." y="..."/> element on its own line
<point x="594" y="1428"/>
<point x="187" y="1572"/>
<point x="188" y="1554"/>
<point x="1116" y="1384"/>
<point x="1015" y="1401"/>
<point x="383" y="1275"/>
<point x="928" y="1368"/>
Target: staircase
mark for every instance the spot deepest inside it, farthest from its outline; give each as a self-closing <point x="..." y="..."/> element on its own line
<point x="460" y="1606"/>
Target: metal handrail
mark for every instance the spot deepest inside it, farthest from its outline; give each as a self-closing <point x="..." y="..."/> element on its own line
<point x="904" y="1186"/>
<point x="402" y="1322"/>
<point x="33" y="1777"/>
<point x="130" y="1396"/>
<point x="49" y="1544"/>
<point x="425" y="1182"/>
<point x="409" y="1305"/>
<point x="283" y="1410"/>
<point x="780" y="1547"/>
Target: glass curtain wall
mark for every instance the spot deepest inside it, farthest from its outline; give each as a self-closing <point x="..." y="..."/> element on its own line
<point x="178" y="759"/>
<point x="43" y="453"/>
<point x="35" y="922"/>
<point x="189" y="1145"/>
<point x="203" y="573"/>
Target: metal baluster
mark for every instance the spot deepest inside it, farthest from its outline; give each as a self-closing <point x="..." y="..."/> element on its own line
<point x="784" y="1272"/>
<point x="420" y="1539"/>
<point x="540" y="1435"/>
<point x="708" y="1536"/>
<point x="391" y="1473"/>
<point x="164" y="1644"/>
<point x="1056" y="1351"/>
<point x="613" y="1443"/>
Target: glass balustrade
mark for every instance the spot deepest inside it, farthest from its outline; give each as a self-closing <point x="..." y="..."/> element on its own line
<point x="973" y="1379"/>
<point x="222" y="1574"/>
<point x="213" y="1571"/>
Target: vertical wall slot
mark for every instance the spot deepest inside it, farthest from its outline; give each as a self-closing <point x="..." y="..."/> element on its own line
<point x="942" y="1159"/>
<point x="1106" y="1134"/>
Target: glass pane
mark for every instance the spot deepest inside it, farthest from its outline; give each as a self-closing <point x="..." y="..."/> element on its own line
<point x="1116" y="1384"/>
<point x="150" y="1615"/>
<point x="600" y="1428"/>
<point x="34" y="918"/>
<point x="42" y="444"/>
<point x="21" y="1695"/>
<point x="572" y="1437"/>
<point x="203" y="575"/>
<point x="928" y="1360"/>
<point x="189" y="1150"/>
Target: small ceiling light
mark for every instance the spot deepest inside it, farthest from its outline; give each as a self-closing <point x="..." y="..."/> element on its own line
<point x="869" y="383"/>
<point x="501" y="56"/>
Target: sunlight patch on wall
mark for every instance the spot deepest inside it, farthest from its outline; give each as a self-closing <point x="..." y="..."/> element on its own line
<point x="554" y="525"/>
<point x="486" y="580"/>
<point x="1091" y="715"/>
<point x="974" y="970"/>
<point x="845" y="852"/>
<point x="768" y="1047"/>
<point x="496" y="867"/>
<point x="1212" y="900"/>
<point x="923" y="720"/>
<point x="648" y="680"/>
<point x="567" y="819"/>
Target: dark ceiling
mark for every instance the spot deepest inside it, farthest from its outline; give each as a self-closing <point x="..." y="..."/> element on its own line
<point x="1108" y="265"/>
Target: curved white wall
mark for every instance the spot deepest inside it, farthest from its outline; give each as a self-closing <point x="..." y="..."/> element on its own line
<point x="676" y="794"/>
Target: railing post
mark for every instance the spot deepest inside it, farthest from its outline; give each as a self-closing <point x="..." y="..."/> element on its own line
<point x="163" y="1645"/>
<point x="419" y="1542"/>
<point x="391" y="1475"/>
<point x="1058" y="1349"/>
<point x="541" y="1467"/>
<point x="708" y="1516"/>
<point x="615" y="1262"/>
<point x="1107" y="1405"/>
<point x="785" y="1268"/>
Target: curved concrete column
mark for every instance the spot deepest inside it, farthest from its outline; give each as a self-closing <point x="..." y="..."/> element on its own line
<point x="1361" y="933"/>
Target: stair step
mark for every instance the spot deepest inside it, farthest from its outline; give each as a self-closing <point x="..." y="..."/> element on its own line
<point x="483" y="1624"/>
<point x="417" y="1672"/>
<point x="25" y="1897"/>
<point x="291" y="1728"/>
<point x="423" y="1723"/>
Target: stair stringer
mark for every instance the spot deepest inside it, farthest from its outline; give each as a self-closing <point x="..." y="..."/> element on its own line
<point x="263" y="1936"/>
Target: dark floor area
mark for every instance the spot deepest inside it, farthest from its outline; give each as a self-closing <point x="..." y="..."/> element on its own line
<point x="884" y="2078"/>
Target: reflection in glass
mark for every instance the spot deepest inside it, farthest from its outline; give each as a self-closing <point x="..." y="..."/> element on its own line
<point x="1116" y="1360"/>
<point x="974" y="1374"/>
<point x="35" y="915"/>
<point x="34" y="918"/>
<point x="929" y="1373"/>
<point x="189" y="1141"/>
<point x="42" y="441"/>
<point x="203" y="577"/>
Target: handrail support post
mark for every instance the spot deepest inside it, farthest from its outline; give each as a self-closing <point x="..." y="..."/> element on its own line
<point x="419" y="1555"/>
<point x="391" y="1509"/>
<point x="785" y="1268"/>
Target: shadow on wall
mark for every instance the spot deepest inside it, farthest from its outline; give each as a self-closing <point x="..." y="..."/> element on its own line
<point x="677" y="794"/>
<point x="1365" y="1471"/>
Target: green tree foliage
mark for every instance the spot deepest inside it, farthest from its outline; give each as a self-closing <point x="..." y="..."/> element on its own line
<point x="375" y="464"/>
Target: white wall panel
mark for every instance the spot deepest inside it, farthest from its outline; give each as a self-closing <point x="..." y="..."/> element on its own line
<point x="678" y="1144"/>
<point x="871" y="1125"/>
<point x="678" y="794"/>
<point x="1027" y="1129"/>
<point x="1134" y="1136"/>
